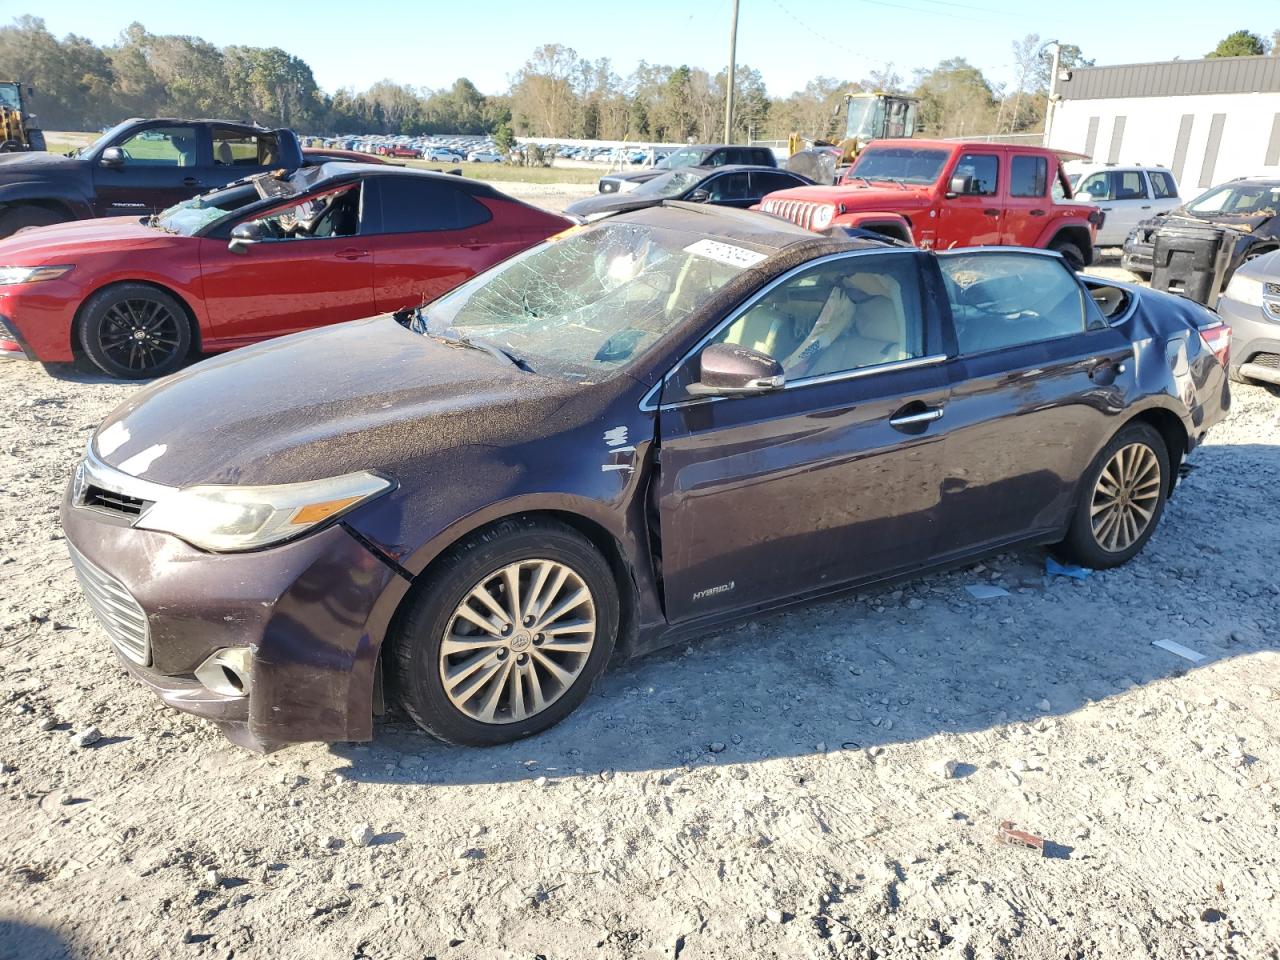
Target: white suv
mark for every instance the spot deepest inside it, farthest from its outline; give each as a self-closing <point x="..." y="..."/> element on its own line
<point x="1126" y="194"/>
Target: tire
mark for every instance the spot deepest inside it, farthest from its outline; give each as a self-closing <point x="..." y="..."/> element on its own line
<point x="418" y="659"/>
<point x="1071" y="252"/>
<point x="29" y="215"/>
<point x="1148" y="483"/>
<point x="112" y="318"/>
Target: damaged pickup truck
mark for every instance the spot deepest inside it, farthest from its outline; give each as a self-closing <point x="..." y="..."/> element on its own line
<point x="624" y="436"/>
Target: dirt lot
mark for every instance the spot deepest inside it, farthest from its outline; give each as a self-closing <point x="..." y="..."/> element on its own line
<point x="773" y="791"/>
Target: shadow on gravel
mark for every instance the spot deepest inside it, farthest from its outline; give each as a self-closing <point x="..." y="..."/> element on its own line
<point x="25" y="941"/>
<point x="899" y="663"/>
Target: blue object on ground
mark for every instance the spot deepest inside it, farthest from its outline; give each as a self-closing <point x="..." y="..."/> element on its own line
<point x="1053" y="568"/>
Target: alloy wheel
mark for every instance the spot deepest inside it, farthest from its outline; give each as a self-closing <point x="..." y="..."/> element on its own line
<point x="1125" y="497"/>
<point x="517" y="641"/>
<point x="139" y="334"/>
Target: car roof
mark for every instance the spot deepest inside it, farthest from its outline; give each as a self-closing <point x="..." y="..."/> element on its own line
<point x="733" y="168"/>
<point x="356" y="170"/>
<point x="242" y="124"/>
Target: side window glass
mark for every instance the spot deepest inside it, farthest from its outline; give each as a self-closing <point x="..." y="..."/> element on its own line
<point x="729" y="186"/>
<point x="235" y="148"/>
<point x="762" y="157"/>
<point x="980" y="172"/>
<point x="1007" y="299"/>
<point x="1028" y="176"/>
<point x="717" y="159"/>
<point x="1129" y="185"/>
<point x="318" y="218"/>
<point x="853" y="313"/>
<point x="763" y="183"/>
<point x="415" y="205"/>
<point x="1094" y="187"/>
<point x="162" y="147"/>
<point x="1162" y="184"/>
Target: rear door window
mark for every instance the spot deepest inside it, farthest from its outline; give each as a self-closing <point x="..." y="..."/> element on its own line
<point x="763" y="183"/>
<point x="1128" y="185"/>
<point x="425" y="204"/>
<point x="238" y="148"/>
<point x="729" y="186"/>
<point x="1028" y="176"/>
<point x="1001" y="300"/>
<point x="763" y="157"/>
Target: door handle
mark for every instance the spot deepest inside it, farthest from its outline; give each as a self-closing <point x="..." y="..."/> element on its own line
<point x="192" y="182"/>
<point x="351" y="254"/>
<point x="1147" y="207"/>
<point x="1106" y="209"/>
<point x="1105" y="370"/>
<point x="991" y="212"/>
<point x="1036" y="213"/>
<point x="917" y="418"/>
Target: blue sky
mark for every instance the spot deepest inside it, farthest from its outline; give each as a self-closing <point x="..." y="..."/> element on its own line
<point x="430" y="43"/>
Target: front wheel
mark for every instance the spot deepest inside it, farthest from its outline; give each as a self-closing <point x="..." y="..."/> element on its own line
<point x="505" y="637"/>
<point x="134" y="331"/>
<point x="1121" y="499"/>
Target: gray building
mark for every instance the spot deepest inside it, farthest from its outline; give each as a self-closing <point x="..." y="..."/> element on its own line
<point x="1207" y="120"/>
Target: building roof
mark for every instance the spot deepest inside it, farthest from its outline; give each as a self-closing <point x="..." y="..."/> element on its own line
<point x="1173" y="78"/>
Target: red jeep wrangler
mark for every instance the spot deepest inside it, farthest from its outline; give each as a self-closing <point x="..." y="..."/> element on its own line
<point x="942" y="194"/>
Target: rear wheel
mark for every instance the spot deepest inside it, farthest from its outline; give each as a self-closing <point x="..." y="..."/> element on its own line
<point x="1071" y="252"/>
<point x="134" y="331"/>
<point x="1121" y="499"/>
<point x="17" y="218"/>
<point x="505" y="637"/>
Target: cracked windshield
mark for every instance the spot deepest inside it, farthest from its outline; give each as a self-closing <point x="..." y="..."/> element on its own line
<point x="592" y="301"/>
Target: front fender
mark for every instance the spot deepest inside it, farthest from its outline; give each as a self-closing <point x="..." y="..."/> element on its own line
<point x="77" y="205"/>
<point x="877" y="221"/>
<point x="1055" y="227"/>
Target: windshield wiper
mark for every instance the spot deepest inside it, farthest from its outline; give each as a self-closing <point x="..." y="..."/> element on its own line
<point x="485" y="347"/>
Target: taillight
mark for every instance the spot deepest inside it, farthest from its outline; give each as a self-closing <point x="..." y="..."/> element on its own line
<point x="1217" y="337"/>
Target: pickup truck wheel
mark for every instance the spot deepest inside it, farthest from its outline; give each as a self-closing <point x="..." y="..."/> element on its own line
<point x="1070" y="252"/>
<point x="505" y="637"/>
<point x="15" y="218"/>
<point x="134" y="332"/>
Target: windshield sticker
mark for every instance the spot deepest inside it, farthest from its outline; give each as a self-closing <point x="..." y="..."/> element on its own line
<point x="725" y="253"/>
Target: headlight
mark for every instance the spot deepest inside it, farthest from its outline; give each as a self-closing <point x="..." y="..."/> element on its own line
<point x="823" y="216"/>
<point x="224" y="519"/>
<point x="1245" y="290"/>
<point x="10" y="275"/>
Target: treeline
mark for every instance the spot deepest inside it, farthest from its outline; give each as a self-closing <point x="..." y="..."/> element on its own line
<point x="556" y="93"/>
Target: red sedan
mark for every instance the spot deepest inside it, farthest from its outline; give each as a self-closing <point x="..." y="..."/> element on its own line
<point x="258" y="259"/>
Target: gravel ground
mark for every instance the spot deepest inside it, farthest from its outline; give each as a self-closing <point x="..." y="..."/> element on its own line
<point x="827" y="782"/>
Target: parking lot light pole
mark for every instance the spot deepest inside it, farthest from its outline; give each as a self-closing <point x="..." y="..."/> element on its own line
<point x="729" y="79"/>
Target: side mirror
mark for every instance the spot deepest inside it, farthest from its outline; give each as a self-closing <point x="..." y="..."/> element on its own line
<point x="112" y="157"/>
<point x="244" y="236"/>
<point x="727" y="370"/>
<point x="958" y="187"/>
<point x="699" y="196"/>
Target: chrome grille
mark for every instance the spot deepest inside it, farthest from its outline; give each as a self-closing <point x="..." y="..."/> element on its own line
<point x="120" y="615"/>
<point x="1271" y="360"/>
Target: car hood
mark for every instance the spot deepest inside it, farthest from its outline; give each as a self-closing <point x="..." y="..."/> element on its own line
<point x="364" y="395"/>
<point x="640" y="176"/>
<point x="1242" y="224"/>
<point x="33" y="164"/>
<point x="69" y="242"/>
<point x="860" y="197"/>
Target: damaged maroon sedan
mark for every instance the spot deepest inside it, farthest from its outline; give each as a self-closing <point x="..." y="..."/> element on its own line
<point x="624" y="436"/>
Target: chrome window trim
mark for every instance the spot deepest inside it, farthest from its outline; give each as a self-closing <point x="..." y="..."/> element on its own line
<point x="856" y="374"/>
<point x="649" y="404"/>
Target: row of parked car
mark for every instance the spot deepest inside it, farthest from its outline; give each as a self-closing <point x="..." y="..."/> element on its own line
<point x="433" y="148"/>
<point x="457" y="502"/>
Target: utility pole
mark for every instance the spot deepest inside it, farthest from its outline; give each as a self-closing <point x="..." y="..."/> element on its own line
<point x="729" y="79"/>
<point x="1053" y="91"/>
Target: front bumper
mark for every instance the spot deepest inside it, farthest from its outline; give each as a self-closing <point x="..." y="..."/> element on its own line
<point x="1255" y="336"/>
<point x="1138" y="257"/>
<point x="39" y="317"/>
<point x="308" y="611"/>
